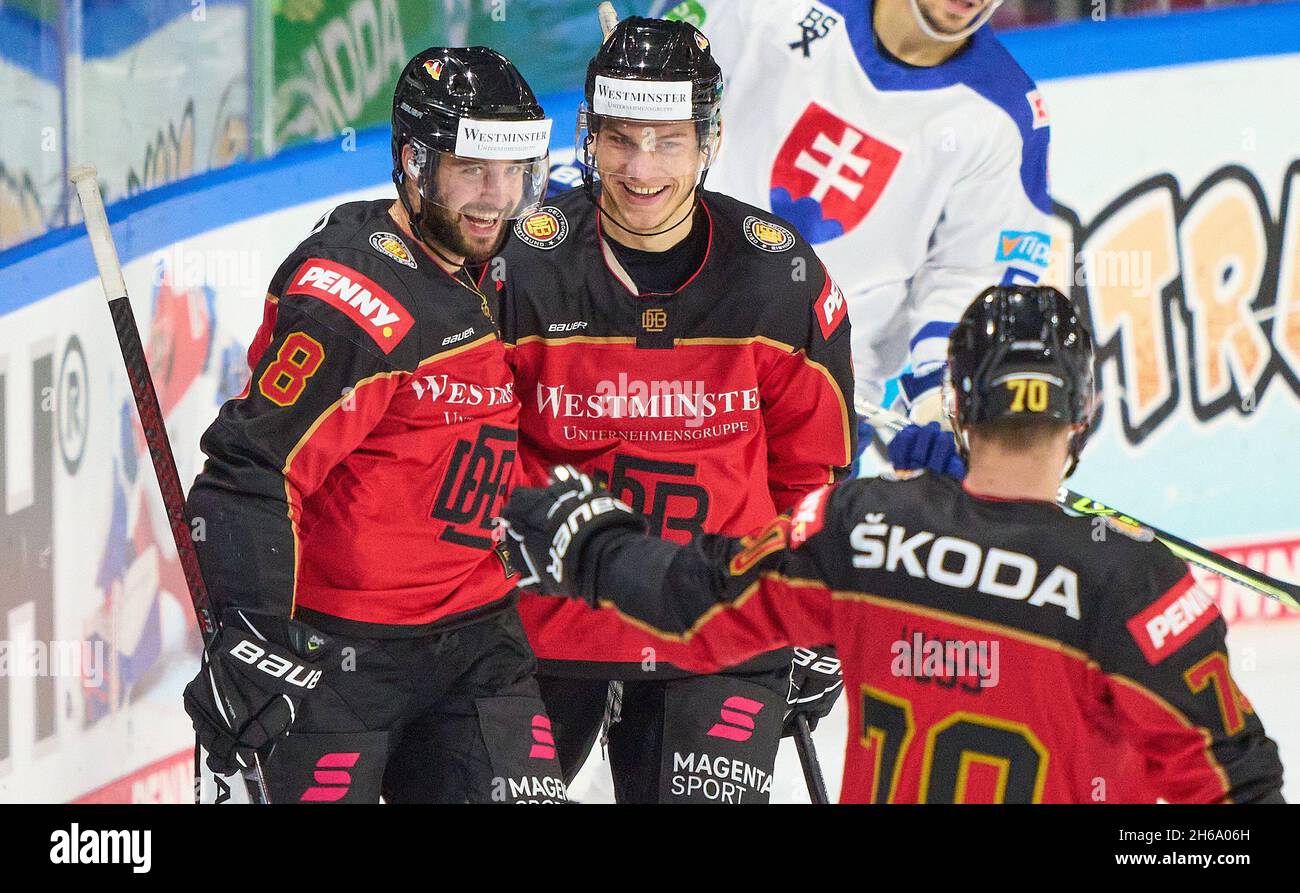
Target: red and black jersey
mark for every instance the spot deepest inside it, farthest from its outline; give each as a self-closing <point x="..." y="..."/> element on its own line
<point x="358" y="473"/>
<point x="708" y="409"/>
<point x="993" y="651"/>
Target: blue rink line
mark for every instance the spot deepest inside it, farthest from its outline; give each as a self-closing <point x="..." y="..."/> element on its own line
<point x="1078" y="49"/>
<point x="149" y="222"/>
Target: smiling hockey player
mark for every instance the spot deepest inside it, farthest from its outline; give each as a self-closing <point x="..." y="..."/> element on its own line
<point x="994" y="649"/>
<point x="690" y="351"/>
<point x="348" y="493"/>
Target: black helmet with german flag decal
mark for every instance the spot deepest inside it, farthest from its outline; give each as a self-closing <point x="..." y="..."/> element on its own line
<point x="1021" y="351"/>
<point x="473" y="105"/>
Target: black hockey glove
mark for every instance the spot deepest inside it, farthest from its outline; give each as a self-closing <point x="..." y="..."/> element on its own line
<point x="547" y="529"/>
<point x="254" y="677"/>
<point x="815" y="685"/>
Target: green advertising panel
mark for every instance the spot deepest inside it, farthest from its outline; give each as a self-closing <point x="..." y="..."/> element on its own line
<point x="332" y="64"/>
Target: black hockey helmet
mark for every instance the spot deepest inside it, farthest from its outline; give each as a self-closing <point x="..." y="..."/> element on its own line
<point x="1021" y="351"/>
<point x="473" y="103"/>
<point x="656" y="50"/>
<point x="652" y="71"/>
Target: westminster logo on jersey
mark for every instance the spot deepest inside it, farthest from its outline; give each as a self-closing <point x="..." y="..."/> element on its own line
<point x="829" y="174"/>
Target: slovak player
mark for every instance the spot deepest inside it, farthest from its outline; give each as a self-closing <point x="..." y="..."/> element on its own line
<point x="904" y="142"/>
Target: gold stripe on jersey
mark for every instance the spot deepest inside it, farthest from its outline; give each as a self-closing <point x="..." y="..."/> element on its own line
<point x="575" y="339"/>
<point x="746" y="594"/>
<point x="455" y="351"/>
<point x="792" y="350"/>
<point x="950" y="617"/>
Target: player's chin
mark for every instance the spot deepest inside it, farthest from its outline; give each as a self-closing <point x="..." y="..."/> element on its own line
<point x="956" y="15"/>
<point x="479" y="242"/>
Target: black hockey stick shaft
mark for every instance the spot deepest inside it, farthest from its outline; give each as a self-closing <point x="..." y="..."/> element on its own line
<point x="812" y="769"/>
<point x="83" y="177"/>
<point x="1287" y="593"/>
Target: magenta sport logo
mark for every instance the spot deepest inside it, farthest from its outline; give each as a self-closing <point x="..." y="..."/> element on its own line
<point x="737" y="719"/>
<point x="332" y="778"/>
<point x="543" y="744"/>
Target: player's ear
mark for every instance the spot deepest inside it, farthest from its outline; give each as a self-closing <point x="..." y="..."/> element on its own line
<point x="408" y="162"/>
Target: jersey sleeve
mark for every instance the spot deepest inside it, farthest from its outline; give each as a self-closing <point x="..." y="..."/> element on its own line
<point x="993" y="230"/>
<point x="720" y="601"/>
<point x="317" y="389"/>
<point x="807" y="400"/>
<point x="1163" y="667"/>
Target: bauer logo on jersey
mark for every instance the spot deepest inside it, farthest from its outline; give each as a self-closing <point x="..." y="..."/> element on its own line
<point x="1039" y="108"/>
<point x="768" y="236"/>
<point x="1173" y="620"/>
<point x="831" y="308"/>
<point x="544" y="228"/>
<point x="387" y="243"/>
<point x="359" y="297"/>
<point x="1027" y="246"/>
<point x="829" y="174"/>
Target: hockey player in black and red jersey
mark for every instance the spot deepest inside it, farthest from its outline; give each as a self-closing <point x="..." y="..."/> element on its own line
<point x="994" y="648"/>
<point x="691" y="352"/>
<point x="347" y="497"/>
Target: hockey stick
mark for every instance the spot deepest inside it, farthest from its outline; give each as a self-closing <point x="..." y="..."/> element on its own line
<point x="608" y="19"/>
<point x="812" y="770"/>
<point x="83" y="177"/>
<point x="1287" y="593"/>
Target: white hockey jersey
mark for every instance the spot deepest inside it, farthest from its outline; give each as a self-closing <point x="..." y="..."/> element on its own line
<point x="919" y="187"/>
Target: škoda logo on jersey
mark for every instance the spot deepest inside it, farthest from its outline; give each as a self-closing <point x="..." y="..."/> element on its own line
<point x="962" y="564"/>
<point x="365" y="303"/>
<point x="544" y="228"/>
<point x="391" y="245"/>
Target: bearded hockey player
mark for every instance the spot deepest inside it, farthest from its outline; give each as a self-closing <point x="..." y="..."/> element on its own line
<point x="994" y="649"/>
<point x="902" y="141"/>
<point x="691" y="352"/>
<point x="348" y="494"/>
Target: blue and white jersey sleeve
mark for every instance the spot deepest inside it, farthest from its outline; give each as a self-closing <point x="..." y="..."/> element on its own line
<point x="993" y="229"/>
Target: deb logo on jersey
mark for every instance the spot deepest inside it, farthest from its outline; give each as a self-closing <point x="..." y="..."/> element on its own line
<point x="829" y="174"/>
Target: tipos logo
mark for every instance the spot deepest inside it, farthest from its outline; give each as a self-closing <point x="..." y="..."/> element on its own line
<point x="544" y="228"/>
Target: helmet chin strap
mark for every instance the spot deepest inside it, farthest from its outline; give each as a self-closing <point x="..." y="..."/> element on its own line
<point x="690" y="210"/>
<point x="954" y="37"/>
